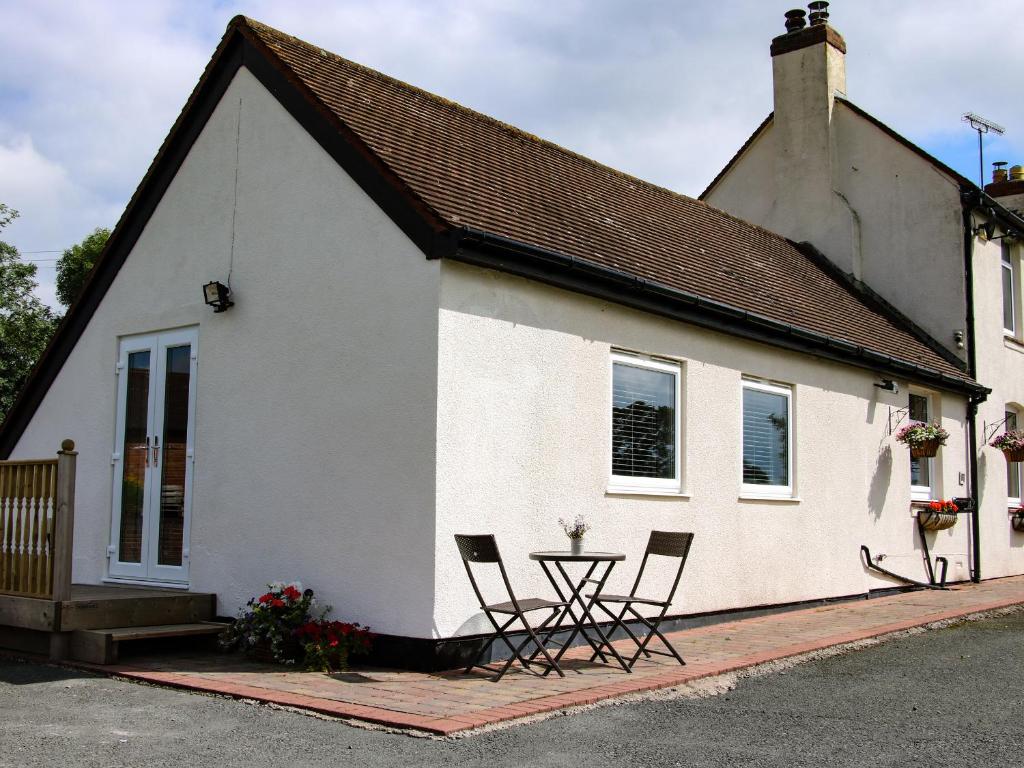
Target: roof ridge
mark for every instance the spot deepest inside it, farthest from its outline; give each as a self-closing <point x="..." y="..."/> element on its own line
<point x="547" y="144"/>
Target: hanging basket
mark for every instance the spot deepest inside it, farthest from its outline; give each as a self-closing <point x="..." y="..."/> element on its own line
<point x="1014" y="454"/>
<point x="936" y="521"/>
<point x="1017" y="522"/>
<point x="925" y="450"/>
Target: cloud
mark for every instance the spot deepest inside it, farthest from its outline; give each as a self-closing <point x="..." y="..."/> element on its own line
<point x="662" y="89"/>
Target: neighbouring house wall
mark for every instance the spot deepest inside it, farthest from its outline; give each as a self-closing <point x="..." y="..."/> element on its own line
<point x="893" y="220"/>
<point x="316" y="393"/>
<point x="911" y="226"/>
<point x="1001" y="367"/>
<point x="524" y="415"/>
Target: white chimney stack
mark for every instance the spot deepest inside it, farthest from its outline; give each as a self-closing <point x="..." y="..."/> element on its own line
<point x="809" y="69"/>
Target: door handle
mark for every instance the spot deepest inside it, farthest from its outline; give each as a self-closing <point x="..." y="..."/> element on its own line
<point x="147" y="450"/>
<point x="156" y="450"/>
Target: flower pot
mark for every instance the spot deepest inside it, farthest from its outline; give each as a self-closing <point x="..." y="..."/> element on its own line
<point x="1014" y="454"/>
<point x="936" y="521"/>
<point x="576" y="546"/>
<point x="1017" y="521"/>
<point x="925" y="450"/>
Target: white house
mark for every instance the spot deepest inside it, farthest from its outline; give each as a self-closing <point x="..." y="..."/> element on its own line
<point x="822" y="170"/>
<point x="444" y="325"/>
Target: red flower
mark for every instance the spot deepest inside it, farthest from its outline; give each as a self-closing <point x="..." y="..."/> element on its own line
<point x="936" y="505"/>
<point x="291" y="593"/>
<point x="277" y="603"/>
<point x="266" y="598"/>
<point x="333" y="643"/>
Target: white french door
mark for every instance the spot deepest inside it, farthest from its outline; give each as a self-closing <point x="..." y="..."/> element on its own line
<point x="153" y="457"/>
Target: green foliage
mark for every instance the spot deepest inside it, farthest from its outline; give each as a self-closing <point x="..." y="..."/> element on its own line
<point x="75" y="263"/>
<point x="26" y="324"/>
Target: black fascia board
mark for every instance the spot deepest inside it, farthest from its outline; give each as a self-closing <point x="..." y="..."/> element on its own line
<point x="490" y="251"/>
<point x="974" y="197"/>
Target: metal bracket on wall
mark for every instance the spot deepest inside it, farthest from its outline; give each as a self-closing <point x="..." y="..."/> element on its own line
<point x="995" y="426"/>
<point x="896" y="416"/>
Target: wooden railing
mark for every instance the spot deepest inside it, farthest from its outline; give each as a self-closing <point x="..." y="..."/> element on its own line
<point x="37" y="520"/>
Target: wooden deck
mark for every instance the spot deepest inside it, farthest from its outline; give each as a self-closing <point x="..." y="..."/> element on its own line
<point x="95" y="606"/>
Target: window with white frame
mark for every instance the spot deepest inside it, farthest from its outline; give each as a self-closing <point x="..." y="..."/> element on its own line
<point x="1013" y="469"/>
<point x="767" y="439"/>
<point x="645" y="424"/>
<point x="921" y="470"/>
<point x="1009" y="277"/>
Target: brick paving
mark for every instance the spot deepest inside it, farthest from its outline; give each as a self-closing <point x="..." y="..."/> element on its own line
<point x="449" y="702"/>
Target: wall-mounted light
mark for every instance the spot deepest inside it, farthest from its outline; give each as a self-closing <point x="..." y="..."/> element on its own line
<point x="958" y="339"/>
<point x="988" y="229"/>
<point x="217" y="295"/>
<point x="889" y="386"/>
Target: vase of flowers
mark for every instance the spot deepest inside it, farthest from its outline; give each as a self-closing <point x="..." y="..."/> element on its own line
<point x="1011" y="443"/>
<point x="266" y="628"/>
<point x="328" y="645"/>
<point x="923" y="439"/>
<point x="938" y="516"/>
<point x="575" y="529"/>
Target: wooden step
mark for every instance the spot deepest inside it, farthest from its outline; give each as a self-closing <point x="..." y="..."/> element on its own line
<point x="101" y="646"/>
<point x="99" y="607"/>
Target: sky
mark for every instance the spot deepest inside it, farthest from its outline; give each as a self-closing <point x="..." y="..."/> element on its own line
<point x="663" y="90"/>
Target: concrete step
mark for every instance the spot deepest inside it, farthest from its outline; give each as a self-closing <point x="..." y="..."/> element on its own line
<point x="102" y="646"/>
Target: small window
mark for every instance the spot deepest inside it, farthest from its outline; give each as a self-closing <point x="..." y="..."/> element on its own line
<point x="645" y="424"/>
<point x="1013" y="469"/>
<point x="1009" y="292"/>
<point x="767" y="439"/>
<point x="921" y="470"/>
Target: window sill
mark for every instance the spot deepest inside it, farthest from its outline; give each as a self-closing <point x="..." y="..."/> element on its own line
<point x="1010" y="341"/>
<point x="767" y="497"/>
<point x="662" y="493"/>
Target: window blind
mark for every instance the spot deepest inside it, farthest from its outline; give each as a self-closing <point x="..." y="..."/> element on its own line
<point x="643" y="422"/>
<point x="765" y="438"/>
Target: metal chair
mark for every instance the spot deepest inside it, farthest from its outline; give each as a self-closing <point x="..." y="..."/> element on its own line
<point x="484" y="549"/>
<point x="664" y="544"/>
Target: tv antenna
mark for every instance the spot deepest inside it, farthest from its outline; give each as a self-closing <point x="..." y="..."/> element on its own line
<point x="982" y="126"/>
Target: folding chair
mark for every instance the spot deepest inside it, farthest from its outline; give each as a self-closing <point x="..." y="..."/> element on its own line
<point x="664" y="544"/>
<point x="484" y="549"/>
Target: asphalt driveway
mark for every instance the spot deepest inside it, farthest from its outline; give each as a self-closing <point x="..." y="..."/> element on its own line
<point x="944" y="697"/>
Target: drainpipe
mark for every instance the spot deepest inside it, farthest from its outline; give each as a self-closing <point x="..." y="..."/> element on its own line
<point x="973" y="400"/>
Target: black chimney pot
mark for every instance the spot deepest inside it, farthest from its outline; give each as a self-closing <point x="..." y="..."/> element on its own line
<point x="819" y="12"/>
<point x="795" y="20"/>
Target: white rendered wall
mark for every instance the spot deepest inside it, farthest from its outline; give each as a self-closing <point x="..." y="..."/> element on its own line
<point x="316" y="393"/>
<point x="1001" y="367"/>
<point x="523" y="439"/>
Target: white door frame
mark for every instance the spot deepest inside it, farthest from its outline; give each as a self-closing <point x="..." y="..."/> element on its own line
<point x="148" y="569"/>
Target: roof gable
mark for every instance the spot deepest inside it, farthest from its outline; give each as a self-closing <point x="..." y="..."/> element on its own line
<point x="445" y="174"/>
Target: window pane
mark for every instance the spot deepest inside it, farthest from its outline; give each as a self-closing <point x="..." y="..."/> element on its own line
<point x="135" y="457"/>
<point x="172" y="479"/>
<point x="1008" y="308"/>
<point x="1012" y="469"/>
<point x="920" y="469"/>
<point x="643" y="422"/>
<point x="765" y="438"/>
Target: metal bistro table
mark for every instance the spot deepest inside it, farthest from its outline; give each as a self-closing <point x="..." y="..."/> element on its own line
<point x="571" y="592"/>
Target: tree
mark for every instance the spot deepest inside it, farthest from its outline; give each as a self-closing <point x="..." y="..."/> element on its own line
<point x="76" y="262"/>
<point x="26" y="324"/>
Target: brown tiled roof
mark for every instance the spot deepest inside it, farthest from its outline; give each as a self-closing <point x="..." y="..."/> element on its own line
<point x="464" y="185"/>
<point x="478" y="172"/>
